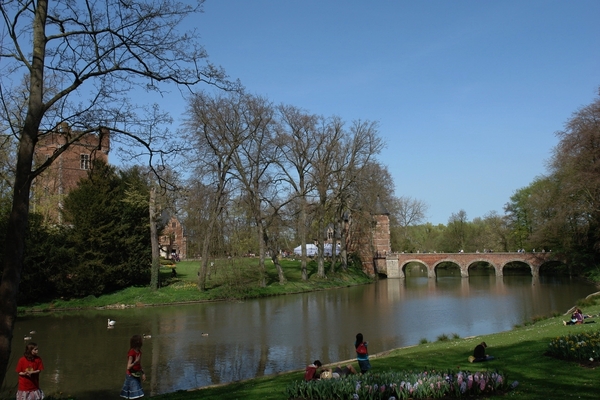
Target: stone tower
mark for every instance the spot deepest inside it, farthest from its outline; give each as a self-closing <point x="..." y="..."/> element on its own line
<point x="381" y="233"/>
<point x="381" y="236"/>
<point x="373" y="245"/>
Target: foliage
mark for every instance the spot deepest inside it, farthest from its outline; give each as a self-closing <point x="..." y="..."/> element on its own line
<point x="578" y="346"/>
<point x="275" y="176"/>
<point x="560" y="211"/>
<point x="401" y="385"/>
<point x="230" y="278"/>
<point x="45" y="257"/>
<point x="109" y="234"/>
<point x="443" y="338"/>
<point x="105" y="247"/>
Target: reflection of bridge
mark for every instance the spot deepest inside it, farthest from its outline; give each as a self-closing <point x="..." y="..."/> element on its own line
<point x="395" y="263"/>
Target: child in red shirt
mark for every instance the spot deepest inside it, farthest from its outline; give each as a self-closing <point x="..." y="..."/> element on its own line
<point x="29" y="368"/>
<point x="132" y="388"/>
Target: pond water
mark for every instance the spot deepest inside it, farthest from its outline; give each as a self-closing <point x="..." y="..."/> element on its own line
<point x="265" y="336"/>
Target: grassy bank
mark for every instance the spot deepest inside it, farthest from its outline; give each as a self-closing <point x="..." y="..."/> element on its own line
<point x="229" y="279"/>
<point x="520" y="355"/>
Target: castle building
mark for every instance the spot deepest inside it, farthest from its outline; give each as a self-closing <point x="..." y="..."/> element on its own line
<point x="173" y="241"/>
<point x="50" y="187"/>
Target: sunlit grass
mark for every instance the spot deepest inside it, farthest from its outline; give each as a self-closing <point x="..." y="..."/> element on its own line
<point x="227" y="279"/>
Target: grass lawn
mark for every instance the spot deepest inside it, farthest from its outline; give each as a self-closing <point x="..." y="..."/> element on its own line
<point x="519" y="355"/>
<point x="229" y="279"/>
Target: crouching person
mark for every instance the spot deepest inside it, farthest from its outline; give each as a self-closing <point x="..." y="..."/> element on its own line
<point x="313" y="371"/>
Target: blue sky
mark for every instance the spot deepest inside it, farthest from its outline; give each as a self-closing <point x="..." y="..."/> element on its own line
<point x="468" y="94"/>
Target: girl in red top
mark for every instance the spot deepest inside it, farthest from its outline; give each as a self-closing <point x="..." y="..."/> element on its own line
<point x="29" y="368"/>
<point x="132" y="388"/>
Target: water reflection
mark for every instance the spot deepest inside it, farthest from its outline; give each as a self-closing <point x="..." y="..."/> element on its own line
<point x="260" y="337"/>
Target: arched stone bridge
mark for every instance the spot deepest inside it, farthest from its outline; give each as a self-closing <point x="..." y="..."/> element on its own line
<point x="395" y="263"/>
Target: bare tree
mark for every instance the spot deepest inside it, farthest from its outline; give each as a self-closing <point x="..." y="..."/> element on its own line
<point x="236" y="135"/>
<point x="80" y="61"/>
<point x="217" y="133"/>
<point x="253" y="162"/>
<point x="298" y="144"/>
<point x="356" y="150"/>
<point x="328" y="134"/>
<point x="409" y="212"/>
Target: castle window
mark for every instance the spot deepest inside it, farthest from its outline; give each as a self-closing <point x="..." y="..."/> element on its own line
<point x="84" y="161"/>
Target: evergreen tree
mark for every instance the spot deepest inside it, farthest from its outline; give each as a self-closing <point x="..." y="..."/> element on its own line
<point x="108" y="231"/>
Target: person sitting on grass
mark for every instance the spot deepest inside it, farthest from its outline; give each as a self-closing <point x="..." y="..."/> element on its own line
<point x="479" y="353"/>
<point x="576" y="318"/>
<point x="316" y="371"/>
<point x="313" y="371"/>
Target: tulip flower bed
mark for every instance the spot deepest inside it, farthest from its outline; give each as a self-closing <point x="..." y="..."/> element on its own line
<point x="401" y="385"/>
<point x="583" y="346"/>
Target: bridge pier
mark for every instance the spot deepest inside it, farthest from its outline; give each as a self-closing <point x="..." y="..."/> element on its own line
<point x="430" y="272"/>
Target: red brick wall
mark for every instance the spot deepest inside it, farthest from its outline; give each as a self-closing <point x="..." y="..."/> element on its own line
<point x="173" y="239"/>
<point x="66" y="171"/>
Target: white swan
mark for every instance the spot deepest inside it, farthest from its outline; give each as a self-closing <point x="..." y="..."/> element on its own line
<point x="111" y="322"/>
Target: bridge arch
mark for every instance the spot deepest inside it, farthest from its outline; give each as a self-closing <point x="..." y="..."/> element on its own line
<point x="535" y="270"/>
<point x="497" y="268"/>
<point x="405" y="264"/>
<point x="435" y="266"/>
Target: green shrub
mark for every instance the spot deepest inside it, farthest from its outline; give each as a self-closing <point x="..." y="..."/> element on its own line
<point x="443" y="338"/>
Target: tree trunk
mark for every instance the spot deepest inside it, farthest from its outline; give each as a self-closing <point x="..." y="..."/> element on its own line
<point x="320" y="248"/>
<point x="280" y="274"/>
<point x="155" y="268"/>
<point x="344" y="244"/>
<point x="302" y="234"/>
<point x="215" y="213"/>
<point x="19" y="215"/>
<point x="262" y="278"/>
<point x="204" y="261"/>
<point x="334" y="247"/>
<point x="13" y="256"/>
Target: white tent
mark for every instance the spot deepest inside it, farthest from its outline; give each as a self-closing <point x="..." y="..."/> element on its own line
<point x="328" y="247"/>
<point x="311" y="250"/>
